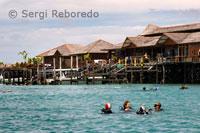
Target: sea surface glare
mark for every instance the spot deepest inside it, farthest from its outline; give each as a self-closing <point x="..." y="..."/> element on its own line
<point x="77" y="108"/>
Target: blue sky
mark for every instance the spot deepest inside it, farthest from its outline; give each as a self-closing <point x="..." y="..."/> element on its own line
<point x="117" y="20"/>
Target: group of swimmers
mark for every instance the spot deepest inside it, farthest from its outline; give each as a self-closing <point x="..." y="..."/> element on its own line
<point x="126" y="107"/>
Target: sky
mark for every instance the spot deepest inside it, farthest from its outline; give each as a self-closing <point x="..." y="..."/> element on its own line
<point x="116" y="20"/>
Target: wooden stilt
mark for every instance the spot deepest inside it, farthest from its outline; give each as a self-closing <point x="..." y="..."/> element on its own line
<point x="54" y="69"/>
<point x="13" y="76"/>
<point x="9" y="77"/>
<point x="4" y="77"/>
<point x="93" y="74"/>
<point x="156" y="73"/>
<point x="163" y="75"/>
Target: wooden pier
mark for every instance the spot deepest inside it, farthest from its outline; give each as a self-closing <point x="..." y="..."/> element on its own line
<point x="160" y="73"/>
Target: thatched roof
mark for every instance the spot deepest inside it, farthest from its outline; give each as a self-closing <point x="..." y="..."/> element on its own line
<point x="181" y="38"/>
<point x="140" y="41"/>
<point x="114" y="47"/>
<point x="94" y="48"/>
<point x="153" y="29"/>
<point x="64" y="50"/>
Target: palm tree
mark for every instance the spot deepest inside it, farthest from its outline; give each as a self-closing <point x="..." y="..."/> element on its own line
<point x="24" y="54"/>
<point x="40" y="59"/>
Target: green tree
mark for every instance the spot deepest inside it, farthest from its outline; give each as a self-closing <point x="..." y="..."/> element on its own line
<point x="40" y="59"/>
<point x="17" y="64"/>
<point x="30" y="60"/>
<point x="24" y="55"/>
<point x="1" y="63"/>
<point x="34" y="61"/>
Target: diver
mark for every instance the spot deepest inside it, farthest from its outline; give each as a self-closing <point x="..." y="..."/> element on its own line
<point x="107" y="109"/>
<point x="143" y="111"/>
<point x="157" y="107"/>
<point x="126" y="106"/>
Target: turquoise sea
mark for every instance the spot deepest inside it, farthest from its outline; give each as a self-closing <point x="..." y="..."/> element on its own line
<point x="76" y="108"/>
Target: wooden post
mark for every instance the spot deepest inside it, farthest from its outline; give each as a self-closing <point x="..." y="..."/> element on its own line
<point x="86" y="73"/>
<point x="60" y="69"/>
<point x="77" y="62"/>
<point x="71" y="69"/>
<point x="178" y="53"/>
<point x="23" y="76"/>
<point x="4" y="77"/>
<point x="184" y="73"/>
<point x="9" y="79"/>
<point x="156" y="73"/>
<point x="13" y="76"/>
<point x="109" y="70"/>
<point x="18" y="76"/>
<point x="71" y="62"/>
<point x="93" y="72"/>
<point x="54" y="69"/>
<point x="38" y="74"/>
<point x="31" y="74"/>
<point x="163" y="74"/>
<point x="141" y="70"/>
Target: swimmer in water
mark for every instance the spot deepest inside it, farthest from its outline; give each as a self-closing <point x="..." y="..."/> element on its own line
<point x="184" y="87"/>
<point x="107" y="109"/>
<point x="143" y="111"/>
<point x="157" y="107"/>
<point x="144" y="88"/>
<point x="6" y="91"/>
<point x="127" y="106"/>
<point x="154" y="89"/>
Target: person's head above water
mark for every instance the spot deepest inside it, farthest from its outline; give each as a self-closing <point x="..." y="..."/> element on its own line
<point x="144" y="88"/>
<point x="107" y="109"/>
<point x="108" y="106"/>
<point x="157" y="106"/>
<point x="127" y="105"/>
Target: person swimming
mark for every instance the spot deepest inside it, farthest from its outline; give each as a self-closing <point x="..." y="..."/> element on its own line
<point x="144" y="88"/>
<point x="157" y="107"/>
<point x="143" y="111"/>
<point x="184" y="87"/>
<point x="107" y="109"/>
<point x="126" y="106"/>
<point x="154" y="89"/>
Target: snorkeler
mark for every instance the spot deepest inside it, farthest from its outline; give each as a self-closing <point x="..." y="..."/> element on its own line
<point x="107" y="109"/>
<point x="127" y="106"/>
<point x="157" y="107"/>
<point x="143" y="111"/>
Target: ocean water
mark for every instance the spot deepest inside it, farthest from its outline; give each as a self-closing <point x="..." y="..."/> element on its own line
<point x="76" y="108"/>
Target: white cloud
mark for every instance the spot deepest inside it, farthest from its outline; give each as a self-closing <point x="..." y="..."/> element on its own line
<point x="103" y="6"/>
<point x="40" y="40"/>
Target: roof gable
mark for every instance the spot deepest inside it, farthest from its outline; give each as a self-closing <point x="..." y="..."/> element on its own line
<point x="152" y="29"/>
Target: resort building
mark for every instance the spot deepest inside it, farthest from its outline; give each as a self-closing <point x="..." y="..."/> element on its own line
<point x="60" y="56"/>
<point x="165" y="44"/>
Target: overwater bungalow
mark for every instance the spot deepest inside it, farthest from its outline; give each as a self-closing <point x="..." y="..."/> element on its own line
<point x="165" y="44"/>
<point x="93" y="52"/>
<point x="60" y="56"/>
